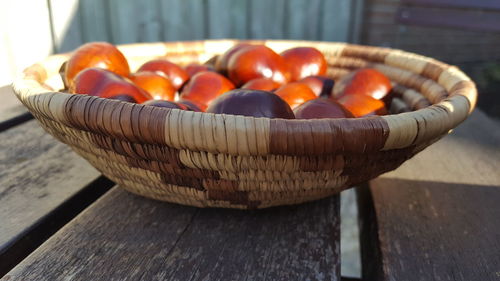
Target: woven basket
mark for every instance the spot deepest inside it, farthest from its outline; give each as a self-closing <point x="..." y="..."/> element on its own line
<point x="214" y="160"/>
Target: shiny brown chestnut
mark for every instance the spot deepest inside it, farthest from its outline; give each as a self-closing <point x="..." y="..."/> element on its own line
<point x="177" y="75"/>
<point x="204" y="87"/>
<point x="221" y="63"/>
<point x="320" y="85"/>
<point x="363" y="105"/>
<point x="263" y="84"/>
<point x="366" y="81"/>
<point x="251" y="103"/>
<point x="257" y="62"/>
<point x="106" y="84"/>
<point x="321" y="108"/>
<point x="194" y="68"/>
<point x="295" y="93"/>
<point x="158" y="86"/>
<point x="95" y="54"/>
<point x="304" y="61"/>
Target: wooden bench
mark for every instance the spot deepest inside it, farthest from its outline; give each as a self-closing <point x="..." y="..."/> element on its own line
<point x="435" y="218"/>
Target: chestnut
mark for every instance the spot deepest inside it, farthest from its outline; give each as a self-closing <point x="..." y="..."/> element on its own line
<point x="366" y="81"/>
<point x="158" y="86"/>
<point x="320" y="85"/>
<point x="191" y="106"/>
<point x="124" y="97"/>
<point x="304" y="61"/>
<point x="251" y="103"/>
<point x="321" y="108"/>
<point x="363" y="105"/>
<point x="194" y="68"/>
<point x="221" y="62"/>
<point x="95" y="54"/>
<point x="257" y="62"/>
<point x="177" y="75"/>
<point x="165" y="104"/>
<point x="263" y="84"/>
<point x="204" y="87"/>
<point x="295" y="93"/>
<point x="106" y="84"/>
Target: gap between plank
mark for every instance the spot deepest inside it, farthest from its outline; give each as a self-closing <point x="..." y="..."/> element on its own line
<point x="20" y="247"/>
<point x="18" y="120"/>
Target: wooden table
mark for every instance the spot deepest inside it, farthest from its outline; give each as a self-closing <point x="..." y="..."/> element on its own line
<point x="435" y="218"/>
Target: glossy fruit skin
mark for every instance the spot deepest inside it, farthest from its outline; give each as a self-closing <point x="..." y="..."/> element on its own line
<point x="257" y="62"/>
<point x="363" y="105"/>
<point x="221" y="63"/>
<point x="194" y="68"/>
<point x="263" y="84"/>
<point x="177" y="75"/>
<point x="295" y="93"/>
<point x="205" y="87"/>
<point x="320" y="85"/>
<point x="165" y="104"/>
<point x="106" y="84"/>
<point x="304" y="61"/>
<point x="191" y="106"/>
<point x="366" y="81"/>
<point x="124" y="97"/>
<point x="321" y="108"/>
<point x="95" y="54"/>
<point x="158" y="86"/>
<point x="251" y="103"/>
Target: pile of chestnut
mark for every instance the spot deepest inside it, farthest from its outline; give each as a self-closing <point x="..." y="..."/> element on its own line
<point x="250" y="80"/>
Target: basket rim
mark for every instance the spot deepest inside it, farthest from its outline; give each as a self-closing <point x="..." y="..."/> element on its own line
<point x="397" y="131"/>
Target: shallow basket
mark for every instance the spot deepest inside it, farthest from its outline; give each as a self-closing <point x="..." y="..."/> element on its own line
<point x="214" y="160"/>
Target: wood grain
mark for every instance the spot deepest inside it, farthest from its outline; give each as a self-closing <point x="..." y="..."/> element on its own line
<point x="126" y="237"/>
<point x="37" y="174"/>
<point x="438" y="214"/>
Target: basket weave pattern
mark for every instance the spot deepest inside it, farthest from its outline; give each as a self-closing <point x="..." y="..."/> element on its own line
<point x="214" y="160"/>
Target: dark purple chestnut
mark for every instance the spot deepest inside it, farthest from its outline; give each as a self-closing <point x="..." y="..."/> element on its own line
<point x="321" y="108"/>
<point x="124" y="97"/>
<point x="251" y="103"/>
<point x="165" y="104"/>
<point x="322" y="86"/>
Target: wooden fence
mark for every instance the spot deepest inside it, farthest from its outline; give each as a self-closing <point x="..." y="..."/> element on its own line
<point x="33" y="29"/>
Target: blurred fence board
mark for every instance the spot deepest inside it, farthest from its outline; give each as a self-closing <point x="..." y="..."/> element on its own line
<point x="62" y="25"/>
<point x="66" y="26"/>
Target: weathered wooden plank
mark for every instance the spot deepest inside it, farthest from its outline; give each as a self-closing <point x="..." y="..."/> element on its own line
<point x="66" y="26"/>
<point x="349" y="235"/>
<point x="123" y="236"/>
<point x="37" y="174"/>
<point x="10" y="106"/>
<point x="438" y="214"/>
